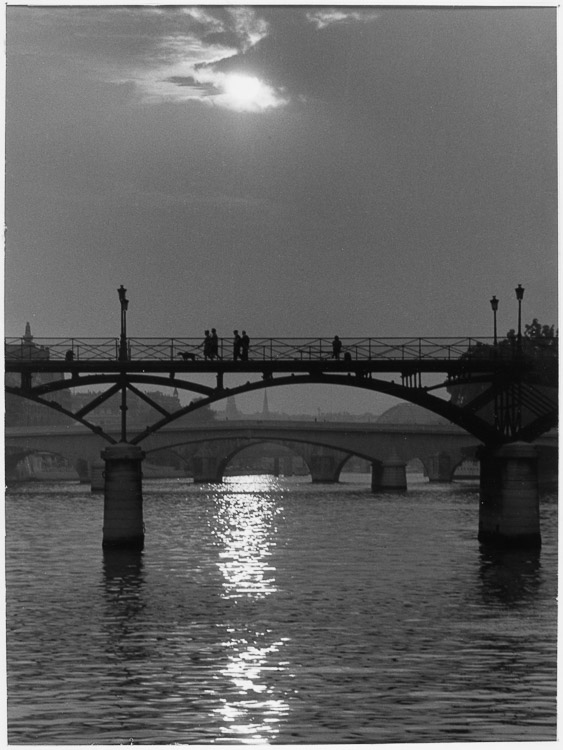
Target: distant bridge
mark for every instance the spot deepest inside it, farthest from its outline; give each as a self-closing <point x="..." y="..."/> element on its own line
<point x="324" y="446"/>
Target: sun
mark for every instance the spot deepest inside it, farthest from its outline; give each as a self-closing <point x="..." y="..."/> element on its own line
<point x="247" y="93"/>
<point x="243" y="89"/>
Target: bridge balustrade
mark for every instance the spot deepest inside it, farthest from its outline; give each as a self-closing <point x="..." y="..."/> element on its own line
<point x="261" y="349"/>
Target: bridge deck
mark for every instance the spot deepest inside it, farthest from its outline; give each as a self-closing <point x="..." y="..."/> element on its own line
<point x="310" y="355"/>
<point x="263" y="349"/>
<point x="255" y="365"/>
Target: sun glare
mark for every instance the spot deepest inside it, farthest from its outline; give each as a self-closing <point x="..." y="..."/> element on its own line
<point x="242" y="88"/>
<point x="244" y="92"/>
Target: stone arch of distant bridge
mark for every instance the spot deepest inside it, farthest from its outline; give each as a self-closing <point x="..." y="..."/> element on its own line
<point x="13" y="456"/>
<point x="212" y="457"/>
<point x="421" y="396"/>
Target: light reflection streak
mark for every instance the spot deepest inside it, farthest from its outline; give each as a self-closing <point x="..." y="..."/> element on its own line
<point x="252" y="713"/>
<point x="245" y="528"/>
<point x="244" y="525"/>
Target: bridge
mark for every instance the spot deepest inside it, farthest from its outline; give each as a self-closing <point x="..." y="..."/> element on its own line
<point x="509" y="399"/>
<point x="324" y="446"/>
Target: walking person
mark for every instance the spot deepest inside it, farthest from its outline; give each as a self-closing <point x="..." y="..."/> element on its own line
<point x="336" y="347"/>
<point x="207" y="346"/>
<point x="214" y="344"/>
<point x="245" y="345"/>
<point x="237" y="343"/>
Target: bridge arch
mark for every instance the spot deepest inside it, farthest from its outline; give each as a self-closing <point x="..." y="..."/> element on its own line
<point x="324" y="459"/>
<point x="14" y="457"/>
<point x="237" y="450"/>
<point x="420" y="396"/>
<point x="409" y="390"/>
<point x="211" y="456"/>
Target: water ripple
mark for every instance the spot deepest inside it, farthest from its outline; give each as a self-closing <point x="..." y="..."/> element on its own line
<point x="274" y="611"/>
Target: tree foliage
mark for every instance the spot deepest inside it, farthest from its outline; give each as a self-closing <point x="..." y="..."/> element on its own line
<point x="537" y="350"/>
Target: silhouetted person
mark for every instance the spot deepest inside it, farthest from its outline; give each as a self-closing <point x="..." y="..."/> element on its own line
<point x="237" y="343"/>
<point x="69" y="356"/>
<point x="207" y="346"/>
<point x="244" y="345"/>
<point x="214" y="344"/>
<point x="336" y="347"/>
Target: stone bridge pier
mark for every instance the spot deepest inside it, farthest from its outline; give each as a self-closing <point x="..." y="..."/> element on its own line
<point x="389" y="475"/>
<point x="509" y="496"/>
<point x="123" y="496"/>
<point x="207" y="465"/>
<point x="439" y="467"/>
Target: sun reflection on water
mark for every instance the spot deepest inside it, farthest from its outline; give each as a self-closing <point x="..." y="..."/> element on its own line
<point x="245" y="529"/>
<point x="252" y="712"/>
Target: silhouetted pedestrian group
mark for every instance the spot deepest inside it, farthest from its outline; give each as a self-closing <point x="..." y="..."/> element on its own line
<point x="211" y="345"/>
<point x="241" y="345"/>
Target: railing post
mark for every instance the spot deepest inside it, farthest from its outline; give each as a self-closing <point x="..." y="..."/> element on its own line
<point x="171" y="348"/>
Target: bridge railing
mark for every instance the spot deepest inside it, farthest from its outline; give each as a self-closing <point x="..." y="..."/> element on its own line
<point x="261" y="349"/>
<point x="58" y="348"/>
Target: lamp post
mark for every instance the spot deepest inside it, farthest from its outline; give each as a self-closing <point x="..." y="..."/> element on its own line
<point x="123" y="339"/>
<point x="519" y="296"/>
<point x="494" y="307"/>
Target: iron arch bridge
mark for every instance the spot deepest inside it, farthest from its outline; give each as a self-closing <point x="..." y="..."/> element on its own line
<point x="508" y="394"/>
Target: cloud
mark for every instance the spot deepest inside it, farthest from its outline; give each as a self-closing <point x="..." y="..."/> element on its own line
<point x="189" y="64"/>
<point x="219" y="56"/>
<point x="323" y="18"/>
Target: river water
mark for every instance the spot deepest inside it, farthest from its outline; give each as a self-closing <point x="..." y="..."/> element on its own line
<point x="271" y="610"/>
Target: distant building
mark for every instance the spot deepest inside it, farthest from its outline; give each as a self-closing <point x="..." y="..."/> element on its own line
<point x="265" y="407"/>
<point x="22" y="412"/>
<point x="139" y="413"/>
<point x="231" y="411"/>
<point x="410" y="414"/>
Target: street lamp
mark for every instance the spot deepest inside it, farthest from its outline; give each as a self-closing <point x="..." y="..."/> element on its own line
<point x="123" y="339"/>
<point x="519" y="296"/>
<point x="494" y="306"/>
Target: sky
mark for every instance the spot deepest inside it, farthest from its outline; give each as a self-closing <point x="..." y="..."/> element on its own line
<point x="290" y="170"/>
